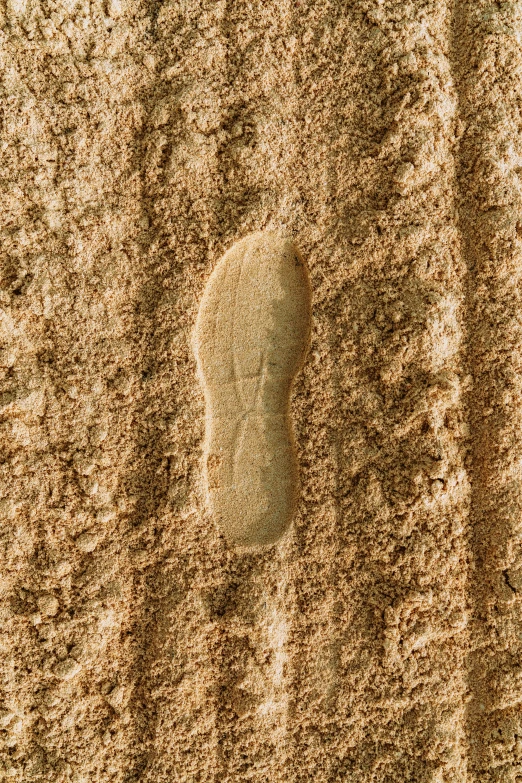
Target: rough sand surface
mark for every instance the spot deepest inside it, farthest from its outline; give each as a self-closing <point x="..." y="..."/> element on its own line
<point x="380" y="640"/>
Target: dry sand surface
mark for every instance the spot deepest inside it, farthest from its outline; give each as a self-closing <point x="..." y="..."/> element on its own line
<point x="379" y="638"/>
<point x="251" y="336"/>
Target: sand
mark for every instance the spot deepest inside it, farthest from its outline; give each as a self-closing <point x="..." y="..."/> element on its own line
<point x="251" y="336"/>
<point x="379" y="639"/>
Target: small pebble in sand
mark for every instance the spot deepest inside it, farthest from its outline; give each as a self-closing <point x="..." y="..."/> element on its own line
<point x="87" y="542"/>
<point x="6" y="716"/>
<point x="84" y="465"/>
<point x="48" y="605"/>
<point x="67" y="669"/>
<point x="105" y="515"/>
<point x="114" y="8"/>
<point x="98" y="434"/>
<point x="116" y="698"/>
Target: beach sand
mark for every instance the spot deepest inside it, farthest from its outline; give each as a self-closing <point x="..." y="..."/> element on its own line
<point x="379" y="638"/>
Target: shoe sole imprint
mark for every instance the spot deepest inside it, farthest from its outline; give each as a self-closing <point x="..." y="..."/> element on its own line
<point x="251" y="337"/>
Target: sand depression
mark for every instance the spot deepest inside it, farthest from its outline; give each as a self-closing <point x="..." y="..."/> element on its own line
<point x="251" y="337"/>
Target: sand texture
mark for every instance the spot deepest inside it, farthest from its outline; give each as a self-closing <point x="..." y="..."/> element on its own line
<point x="379" y="638"/>
<point x="251" y="336"/>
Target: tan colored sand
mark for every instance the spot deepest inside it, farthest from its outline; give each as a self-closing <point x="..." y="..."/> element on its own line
<point x="250" y="339"/>
<point x="380" y="639"/>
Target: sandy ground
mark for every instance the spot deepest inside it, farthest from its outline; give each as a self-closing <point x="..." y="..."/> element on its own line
<point x="380" y="639"/>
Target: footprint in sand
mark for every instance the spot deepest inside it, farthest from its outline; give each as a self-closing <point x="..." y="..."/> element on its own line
<point x="251" y="337"/>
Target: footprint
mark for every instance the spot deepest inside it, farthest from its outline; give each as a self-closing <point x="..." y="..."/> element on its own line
<point x="251" y="337"/>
